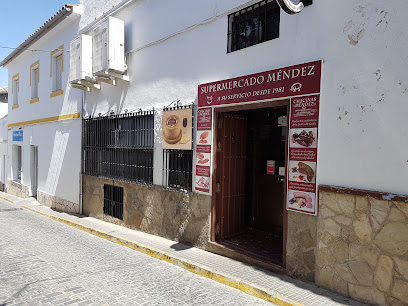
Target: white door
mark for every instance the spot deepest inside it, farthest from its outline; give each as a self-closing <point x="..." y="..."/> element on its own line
<point x="34" y="171"/>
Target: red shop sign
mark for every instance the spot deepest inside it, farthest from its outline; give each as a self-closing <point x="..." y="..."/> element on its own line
<point x="290" y="81"/>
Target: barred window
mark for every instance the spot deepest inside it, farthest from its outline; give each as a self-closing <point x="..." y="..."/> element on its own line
<point x="178" y="169"/>
<point x="253" y="25"/>
<point x="178" y="164"/>
<point x="113" y="201"/>
<point x="119" y="146"/>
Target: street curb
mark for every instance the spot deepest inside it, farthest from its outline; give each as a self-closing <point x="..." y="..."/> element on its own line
<point x="245" y="287"/>
<point x="4" y="198"/>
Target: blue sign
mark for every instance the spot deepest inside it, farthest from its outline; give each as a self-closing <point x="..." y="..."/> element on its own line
<point x="18" y="135"/>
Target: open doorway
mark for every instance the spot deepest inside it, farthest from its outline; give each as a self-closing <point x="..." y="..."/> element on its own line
<point x="249" y="204"/>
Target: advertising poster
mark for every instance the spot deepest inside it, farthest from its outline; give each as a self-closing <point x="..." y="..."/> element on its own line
<point x="203" y="150"/>
<point x="177" y="129"/>
<point x="302" y="161"/>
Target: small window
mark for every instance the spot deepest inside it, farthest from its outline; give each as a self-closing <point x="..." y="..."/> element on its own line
<point x="57" y="68"/>
<point x="113" y="201"/>
<point x="253" y="25"/>
<point x="58" y="72"/>
<point x="34" y="80"/>
<point x="15" y="91"/>
<point x="34" y="84"/>
<point x="178" y="169"/>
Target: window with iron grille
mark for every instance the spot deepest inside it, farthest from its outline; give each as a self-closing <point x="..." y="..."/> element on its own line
<point x="253" y="25"/>
<point x="178" y="164"/>
<point x="113" y="201"/>
<point x="119" y="146"/>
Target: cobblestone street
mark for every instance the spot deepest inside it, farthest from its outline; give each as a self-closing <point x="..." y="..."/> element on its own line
<point x="43" y="262"/>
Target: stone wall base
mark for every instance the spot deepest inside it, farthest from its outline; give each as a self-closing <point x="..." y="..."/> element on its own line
<point x="17" y="189"/>
<point x="181" y="217"/>
<point x="57" y="203"/>
<point x="362" y="248"/>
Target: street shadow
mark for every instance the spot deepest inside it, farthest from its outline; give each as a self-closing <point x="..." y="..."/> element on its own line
<point x="68" y="213"/>
<point x="180" y="246"/>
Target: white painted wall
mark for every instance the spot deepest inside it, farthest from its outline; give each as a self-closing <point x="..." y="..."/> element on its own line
<point x="364" y="43"/>
<point x="3" y="148"/>
<point x="62" y="34"/>
<point x="59" y="142"/>
<point x="59" y="161"/>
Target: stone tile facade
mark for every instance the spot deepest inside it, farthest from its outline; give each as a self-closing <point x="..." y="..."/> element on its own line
<point x="301" y="246"/>
<point x="57" y="203"/>
<point x="17" y="189"/>
<point x="182" y="217"/>
<point x="362" y="248"/>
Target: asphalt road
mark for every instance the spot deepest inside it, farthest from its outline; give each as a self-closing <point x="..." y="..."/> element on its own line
<point x="44" y="262"/>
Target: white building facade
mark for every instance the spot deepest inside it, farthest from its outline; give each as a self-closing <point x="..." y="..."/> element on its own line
<point x="297" y="162"/>
<point x="349" y="199"/>
<point x="44" y="120"/>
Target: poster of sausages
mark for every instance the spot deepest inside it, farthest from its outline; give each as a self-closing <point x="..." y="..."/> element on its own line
<point x="203" y="150"/>
<point x="302" y="160"/>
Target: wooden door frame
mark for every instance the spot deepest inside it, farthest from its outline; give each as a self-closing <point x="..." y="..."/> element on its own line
<point x="239" y="107"/>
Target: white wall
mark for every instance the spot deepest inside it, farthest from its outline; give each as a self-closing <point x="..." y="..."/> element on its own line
<point x="364" y="43"/>
<point x="62" y="34"/>
<point x="59" y="142"/>
<point x="3" y="149"/>
<point x="59" y="161"/>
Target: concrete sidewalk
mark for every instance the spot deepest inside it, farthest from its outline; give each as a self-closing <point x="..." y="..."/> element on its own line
<point x="255" y="281"/>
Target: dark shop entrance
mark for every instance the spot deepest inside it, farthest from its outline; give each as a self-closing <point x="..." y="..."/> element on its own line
<point x="250" y="218"/>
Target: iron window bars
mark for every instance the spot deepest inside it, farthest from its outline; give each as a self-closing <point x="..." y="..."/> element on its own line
<point x="253" y="25"/>
<point x="113" y="201"/>
<point x="178" y="164"/>
<point x="119" y="146"/>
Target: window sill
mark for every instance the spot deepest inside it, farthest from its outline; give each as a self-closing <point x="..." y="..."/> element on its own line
<point x="35" y="100"/>
<point x="15" y="106"/>
<point x="56" y="93"/>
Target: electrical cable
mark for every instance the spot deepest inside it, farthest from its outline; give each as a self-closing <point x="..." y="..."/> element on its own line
<point x="33" y="50"/>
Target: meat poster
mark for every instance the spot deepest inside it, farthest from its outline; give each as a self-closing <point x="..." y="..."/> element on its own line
<point x="203" y="150"/>
<point x="302" y="159"/>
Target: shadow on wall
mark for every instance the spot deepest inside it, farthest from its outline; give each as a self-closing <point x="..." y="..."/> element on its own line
<point x="177" y="216"/>
<point x="62" y="179"/>
<point x="112" y="97"/>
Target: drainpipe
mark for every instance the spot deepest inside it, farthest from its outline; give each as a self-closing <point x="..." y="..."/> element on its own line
<point x="81" y="163"/>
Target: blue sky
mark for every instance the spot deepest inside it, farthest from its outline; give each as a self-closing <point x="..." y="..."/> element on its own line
<point x="21" y="18"/>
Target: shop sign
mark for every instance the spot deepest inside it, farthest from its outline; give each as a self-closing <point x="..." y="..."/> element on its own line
<point x="302" y="160"/>
<point x="291" y="81"/>
<point x="177" y="129"/>
<point x="203" y="150"/>
<point x="18" y="135"/>
<point x="300" y="83"/>
<point x="270" y="167"/>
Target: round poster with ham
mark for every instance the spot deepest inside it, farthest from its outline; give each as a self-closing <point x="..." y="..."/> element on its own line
<point x="302" y="160"/>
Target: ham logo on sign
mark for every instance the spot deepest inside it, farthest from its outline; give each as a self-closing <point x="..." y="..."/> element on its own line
<point x="296" y="87"/>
